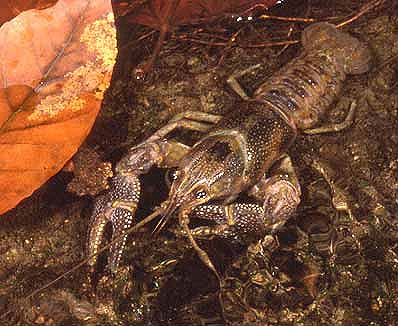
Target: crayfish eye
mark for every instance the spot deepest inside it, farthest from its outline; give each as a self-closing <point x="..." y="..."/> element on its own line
<point x="200" y="194"/>
<point x="171" y="176"/>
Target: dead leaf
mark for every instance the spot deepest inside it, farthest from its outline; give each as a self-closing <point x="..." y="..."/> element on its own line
<point x="12" y="8"/>
<point x="164" y="15"/>
<point x="161" y="14"/>
<point x="54" y="67"/>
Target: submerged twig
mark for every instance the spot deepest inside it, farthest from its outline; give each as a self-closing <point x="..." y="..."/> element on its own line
<point x="362" y="10"/>
<point x="290" y="19"/>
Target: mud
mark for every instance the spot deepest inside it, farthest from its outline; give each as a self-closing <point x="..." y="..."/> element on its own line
<point x="327" y="268"/>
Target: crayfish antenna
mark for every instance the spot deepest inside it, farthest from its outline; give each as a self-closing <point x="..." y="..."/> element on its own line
<point x="204" y="257"/>
<point x="162" y="222"/>
<point x="168" y="207"/>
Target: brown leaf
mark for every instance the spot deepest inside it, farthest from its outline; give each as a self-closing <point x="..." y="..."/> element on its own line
<point x="164" y="15"/>
<point x="11" y="8"/>
<point x="54" y="67"/>
<point x="160" y="14"/>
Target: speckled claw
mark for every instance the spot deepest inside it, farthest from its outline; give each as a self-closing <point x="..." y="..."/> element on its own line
<point x="279" y="194"/>
<point x="281" y="200"/>
<point x="277" y="199"/>
<point x="116" y="207"/>
<point x="119" y="204"/>
<point x="242" y="221"/>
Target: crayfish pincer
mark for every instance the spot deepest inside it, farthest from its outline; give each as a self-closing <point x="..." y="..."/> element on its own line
<point x="243" y="151"/>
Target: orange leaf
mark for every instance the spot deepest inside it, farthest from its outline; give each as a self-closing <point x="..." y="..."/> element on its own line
<point x="11" y="8"/>
<point x="54" y="67"/>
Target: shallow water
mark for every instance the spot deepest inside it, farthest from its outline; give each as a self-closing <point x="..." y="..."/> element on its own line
<point x="329" y="268"/>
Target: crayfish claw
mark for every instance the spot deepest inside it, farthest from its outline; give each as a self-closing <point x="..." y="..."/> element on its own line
<point x="121" y="221"/>
<point x="117" y="207"/>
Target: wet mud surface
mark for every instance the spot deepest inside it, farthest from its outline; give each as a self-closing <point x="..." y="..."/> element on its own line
<point x="334" y="263"/>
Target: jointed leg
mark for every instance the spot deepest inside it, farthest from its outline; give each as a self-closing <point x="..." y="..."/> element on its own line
<point x="336" y="126"/>
<point x="341" y="202"/>
<point x="234" y="84"/>
<point x="339" y="195"/>
<point x="191" y="120"/>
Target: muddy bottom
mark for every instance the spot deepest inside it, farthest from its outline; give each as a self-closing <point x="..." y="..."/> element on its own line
<point x="334" y="263"/>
